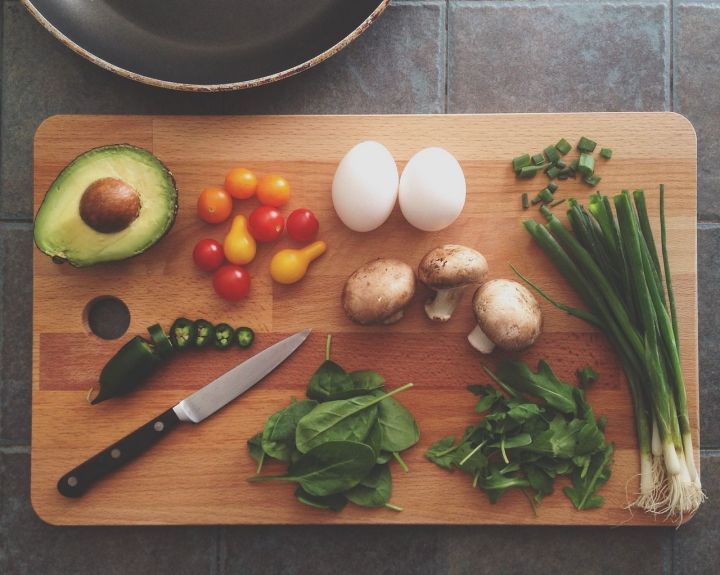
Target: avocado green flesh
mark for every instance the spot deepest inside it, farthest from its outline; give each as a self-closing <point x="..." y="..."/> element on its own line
<point x="60" y="232"/>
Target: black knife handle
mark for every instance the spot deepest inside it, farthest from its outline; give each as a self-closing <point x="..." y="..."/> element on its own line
<point x="77" y="481"/>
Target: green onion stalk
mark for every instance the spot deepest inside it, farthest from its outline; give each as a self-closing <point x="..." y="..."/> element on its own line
<point x="610" y="259"/>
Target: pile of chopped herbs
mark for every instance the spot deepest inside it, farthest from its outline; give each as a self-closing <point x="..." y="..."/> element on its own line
<point x="551" y="162"/>
<point x="339" y="442"/>
<point x="611" y="260"/>
<point x="539" y="429"/>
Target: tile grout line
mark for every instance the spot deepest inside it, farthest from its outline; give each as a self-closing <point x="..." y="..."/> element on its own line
<point x="447" y="55"/>
<point x="670" y="39"/>
<point x="221" y="551"/>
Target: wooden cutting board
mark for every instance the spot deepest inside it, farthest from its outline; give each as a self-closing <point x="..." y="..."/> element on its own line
<point x="198" y="474"/>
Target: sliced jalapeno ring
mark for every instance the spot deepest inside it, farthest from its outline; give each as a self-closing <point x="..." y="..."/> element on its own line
<point x="182" y="333"/>
<point x="204" y="333"/>
<point x="160" y="340"/>
<point x="223" y="336"/>
<point x="244" y="336"/>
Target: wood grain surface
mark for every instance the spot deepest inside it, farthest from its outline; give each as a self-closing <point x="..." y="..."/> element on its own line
<point x="198" y="474"/>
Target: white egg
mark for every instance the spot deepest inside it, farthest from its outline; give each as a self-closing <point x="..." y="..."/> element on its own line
<point x="365" y="186"/>
<point x="432" y="189"/>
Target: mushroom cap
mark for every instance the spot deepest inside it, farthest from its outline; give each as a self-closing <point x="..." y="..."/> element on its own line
<point x="378" y="290"/>
<point x="452" y="266"/>
<point x="508" y="313"/>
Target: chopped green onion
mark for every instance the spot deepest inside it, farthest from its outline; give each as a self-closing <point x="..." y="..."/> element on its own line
<point x="554" y="204"/>
<point x="563" y="176"/>
<point x="552" y="172"/>
<point x="552" y="186"/>
<point x="536" y="200"/>
<point x="525" y="201"/>
<point x="563" y="146"/>
<point x="586" y="164"/>
<point x="546" y="195"/>
<point x="592" y="180"/>
<point x="606" y="153"/>
<point x="561" y="164"/>
<point x="529" y="171"/>
<point x="552" y="154"/>
<point x="538" y="159"/>
<point x="586" y="145"/>
<point x="574" y="164"/>
<point x="520" y="162"/>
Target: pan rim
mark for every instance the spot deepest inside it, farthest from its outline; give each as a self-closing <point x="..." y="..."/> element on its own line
<point x="190" y="87"/>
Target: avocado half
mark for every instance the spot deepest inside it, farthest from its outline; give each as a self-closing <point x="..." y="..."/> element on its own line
<point x="108" y="204"/>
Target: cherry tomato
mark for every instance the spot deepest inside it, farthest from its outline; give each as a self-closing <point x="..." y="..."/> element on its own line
<point x="231" y="282"/>
<point x="214" y="205"/>
<point x="302" y="225"/>
<point x="273" y="191"/>
<point x="240" y="183"/>
<point x="266" y="224"/>
<point x="208" y="255"/>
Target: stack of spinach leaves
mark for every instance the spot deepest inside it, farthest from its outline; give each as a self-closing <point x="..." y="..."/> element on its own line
<point x="541" y="429"/>
<point x="338" y="442"/>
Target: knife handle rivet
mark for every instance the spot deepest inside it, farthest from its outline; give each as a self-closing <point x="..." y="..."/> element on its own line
<point x="115" y="453"/>
<point x="159" y="426"/>
<point x="72" y="481"/>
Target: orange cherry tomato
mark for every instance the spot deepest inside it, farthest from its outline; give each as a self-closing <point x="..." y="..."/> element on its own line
<point x="214" y="205"/>
<point x="240" y="183"/>
<point x="273" y="191"/>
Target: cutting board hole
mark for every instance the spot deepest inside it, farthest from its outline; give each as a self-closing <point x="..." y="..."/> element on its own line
<point x="107" y="317"/>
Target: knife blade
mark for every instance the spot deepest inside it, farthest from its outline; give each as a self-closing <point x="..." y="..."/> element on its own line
<point x="193" y="409"/>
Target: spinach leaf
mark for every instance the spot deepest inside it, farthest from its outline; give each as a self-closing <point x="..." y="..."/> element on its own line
<point x="256" y="450"/>
<point x="328" y="380"/>
<point x="329" y="468"/>
<point x="345" y="419"/>
<point x="278" y="436"/>
<point x="333" y="502"/>
<point x="373" y="491"/>
<point x="374" y="438"/>
<point x="384" y="457"/>
<point x="398" y="427"/>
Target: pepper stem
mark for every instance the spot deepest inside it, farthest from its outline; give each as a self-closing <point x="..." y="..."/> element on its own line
<point x="328" y="343"/>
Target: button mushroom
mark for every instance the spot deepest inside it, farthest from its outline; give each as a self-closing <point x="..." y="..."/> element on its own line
<point x="379" y="291"/>
<point x="507" y="315"/>
<point x="448" y="270"/>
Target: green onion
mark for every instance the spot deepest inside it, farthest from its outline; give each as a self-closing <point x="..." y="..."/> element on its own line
<point x="592" y="180"/>
<point x="520" y="162"/>
<point x="586" y="145"/>
<point x="555" y="204"/>
<point x="529" y="171"/>
<point x="552" y="186"/>
<point x="613" y="265"/>
<point x="561" y="164"/>
<point x="536" y="200"/>
<point x="574" y="164"/>
<point x="563" y="146"/>
<point x="525" y="201"/>
<point x="552" y="172"/>
<point x="538" y="159"/>
<point x="586" y="164"/>
<point x="552" y="154"/>
<point x="606" y="153"/>
<point x="546" y="195"/>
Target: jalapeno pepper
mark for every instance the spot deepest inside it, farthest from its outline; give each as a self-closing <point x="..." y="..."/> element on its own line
<point x="160" y="341"/>
<point x="182" y="333"/>
<point x="204" y="333"/>
<point x="223" y="336"/>
<point x="244" y="336"/>
<point x="128" y="368"/>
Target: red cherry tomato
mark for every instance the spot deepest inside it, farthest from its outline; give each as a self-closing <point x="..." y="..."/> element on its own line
<point x="231" y="282"/>
<point x="208" y="255"/>
<point x="302" y="225"/>
<point x="266" y="224"/>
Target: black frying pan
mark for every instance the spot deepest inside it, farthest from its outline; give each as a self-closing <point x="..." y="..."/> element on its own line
<point x="206" y="45"/>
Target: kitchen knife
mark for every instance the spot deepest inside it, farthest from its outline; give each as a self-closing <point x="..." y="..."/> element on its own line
<point x="194" y="408"/>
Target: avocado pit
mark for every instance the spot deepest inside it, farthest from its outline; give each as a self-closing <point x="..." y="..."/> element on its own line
<point x="109" y="205"/>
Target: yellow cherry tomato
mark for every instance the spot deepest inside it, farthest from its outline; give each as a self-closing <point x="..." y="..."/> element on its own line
<point x="240" y="183"/>
<point x="289" y="266"/>
<point x="239" y="246"/>
<point x="273" y="190"/>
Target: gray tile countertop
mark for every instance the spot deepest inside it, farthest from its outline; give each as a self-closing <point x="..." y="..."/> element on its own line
<point x="421" y="56"/>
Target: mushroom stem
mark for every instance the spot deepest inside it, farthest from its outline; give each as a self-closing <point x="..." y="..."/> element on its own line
<point x="397" y="316"/>
<point x="442" y="306"/>
<point x="480" y="341"/>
